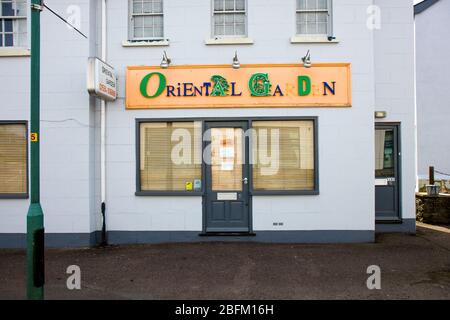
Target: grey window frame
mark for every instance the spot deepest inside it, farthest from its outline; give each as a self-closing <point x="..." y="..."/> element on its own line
<point x="13" y="18"/>
<point x="214" y="36"/>
<point x="329" y="24"/>
<point x="252" y="192"/>
<point x="131" y="16"/>
<point x="23" y="195"/>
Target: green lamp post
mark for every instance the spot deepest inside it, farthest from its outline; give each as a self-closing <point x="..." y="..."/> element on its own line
<point x="35" y="216"/>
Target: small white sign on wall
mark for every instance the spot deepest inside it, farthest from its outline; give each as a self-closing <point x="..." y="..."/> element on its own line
<point x="101" y="79"/>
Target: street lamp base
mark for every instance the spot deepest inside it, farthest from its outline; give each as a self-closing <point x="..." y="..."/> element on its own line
<point x="35" y="252"/>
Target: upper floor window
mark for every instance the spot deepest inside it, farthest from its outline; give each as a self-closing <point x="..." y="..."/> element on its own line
<point x="13" y="23"/>
<point x="146" y="20"/>
<point x="229" y="18"/>
<point x="314" y="17"/>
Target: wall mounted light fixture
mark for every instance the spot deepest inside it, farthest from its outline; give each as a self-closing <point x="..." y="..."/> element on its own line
<point x="236" y="64"/>
<point x="380" y="114"/>
<point x="307" y="60"/>
<point x="165" y="62"/>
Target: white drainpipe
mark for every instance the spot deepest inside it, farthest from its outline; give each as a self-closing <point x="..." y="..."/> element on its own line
<point x="103" y="130"/>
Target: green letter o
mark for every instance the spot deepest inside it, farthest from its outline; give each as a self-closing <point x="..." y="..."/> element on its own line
<point x="146" y="79"/>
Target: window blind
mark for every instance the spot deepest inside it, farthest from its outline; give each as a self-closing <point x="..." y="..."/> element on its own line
<point x="226" y="159"/>
<point x="13" y="158"/>
<point x="283" y="155"/>
<point x="170" y="155"/>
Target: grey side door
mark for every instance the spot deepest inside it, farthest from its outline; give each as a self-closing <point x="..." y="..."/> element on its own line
<point x="387" y="172"/>
<point x="226" y="202"/>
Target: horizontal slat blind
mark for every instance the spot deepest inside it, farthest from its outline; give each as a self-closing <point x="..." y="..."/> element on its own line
<point x="226" y="159"/>
<point x="170" y="155"/>
<point x="283" y="155"/>
<point x="13" y="158"/>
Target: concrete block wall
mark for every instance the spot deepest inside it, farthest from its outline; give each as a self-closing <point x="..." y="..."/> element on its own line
<point x="382" y="78"/>
<point x="68" y="126"/>
<point x="271" y="27"/>
<point x="395" y="87"/>
<point x="433" y="106"/>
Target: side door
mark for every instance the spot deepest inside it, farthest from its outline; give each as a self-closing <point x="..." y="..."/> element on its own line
<point x="387" y="172"/>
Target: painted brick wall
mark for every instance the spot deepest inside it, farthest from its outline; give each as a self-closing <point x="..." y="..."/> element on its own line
<point x="394" y="86"/>
<point x="433" y="106"/>
<point x="382" y="70"/>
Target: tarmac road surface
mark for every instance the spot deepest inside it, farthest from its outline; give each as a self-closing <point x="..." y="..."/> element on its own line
<point x="412" y="267"/>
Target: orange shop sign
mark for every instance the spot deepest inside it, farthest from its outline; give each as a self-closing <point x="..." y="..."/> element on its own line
<point x="250" y="86"/>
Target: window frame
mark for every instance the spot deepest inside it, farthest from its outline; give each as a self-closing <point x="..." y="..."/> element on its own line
<point x="26" y="194"/>
<point x="203" y="120"/>
<point x="131" y="16"/>
<point x="13" y="19"/>
<point x="214" y="36"/>
<point x="329" y="33"/>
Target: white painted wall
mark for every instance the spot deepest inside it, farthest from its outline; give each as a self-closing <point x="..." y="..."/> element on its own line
<point x="394" y="86"/>
<point x="382" y="78"/>
<point x="67" y="125"/>
<point x="346" y="198"/>
<point x="433" y="104"/>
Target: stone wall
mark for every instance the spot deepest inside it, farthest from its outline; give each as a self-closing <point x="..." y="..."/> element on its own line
<point x="433" y="209"/>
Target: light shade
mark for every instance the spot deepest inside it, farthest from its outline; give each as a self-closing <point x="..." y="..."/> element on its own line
<point x="380" y="114"/>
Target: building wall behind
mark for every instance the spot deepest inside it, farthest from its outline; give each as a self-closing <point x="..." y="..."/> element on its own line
<point x="433" y="105"/>
<point x="394" y="86"/>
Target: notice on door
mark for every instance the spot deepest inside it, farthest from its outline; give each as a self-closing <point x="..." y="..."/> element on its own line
<point x="227" y="196"/>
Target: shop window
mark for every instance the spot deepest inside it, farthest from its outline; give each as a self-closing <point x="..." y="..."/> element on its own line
<point x="13" y="23"/>
<point x="314" y="17"/>
<point x="146" y="20"/>
<point x="229" y="18"/>
<point x="283" y="156"/>
<point x="13" y="159"/>
<point x="170" y="156"/>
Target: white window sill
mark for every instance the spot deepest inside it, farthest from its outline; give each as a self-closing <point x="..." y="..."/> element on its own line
<point x="14" y="52"/>
<point x="230" y="40"/>
<point x="312" y="39"/>
<point x="153" y="43"/>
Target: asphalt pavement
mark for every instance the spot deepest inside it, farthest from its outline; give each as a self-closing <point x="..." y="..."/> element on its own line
<point x="411" y="266"/>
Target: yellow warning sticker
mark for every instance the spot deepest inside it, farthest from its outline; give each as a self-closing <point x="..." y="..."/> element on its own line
<point x="34" y="137"/>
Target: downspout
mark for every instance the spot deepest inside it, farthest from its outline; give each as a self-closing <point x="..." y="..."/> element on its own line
<point x="104" y="240"/>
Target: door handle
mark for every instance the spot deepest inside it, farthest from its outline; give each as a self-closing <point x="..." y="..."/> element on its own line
<point x="245" y="180"/>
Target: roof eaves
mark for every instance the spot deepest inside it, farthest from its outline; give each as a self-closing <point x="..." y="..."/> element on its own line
<point x="424" y="5"/>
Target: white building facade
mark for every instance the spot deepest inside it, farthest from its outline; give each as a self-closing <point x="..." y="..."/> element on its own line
<point x="432" y="21"/>
<point x="332" y="183"/>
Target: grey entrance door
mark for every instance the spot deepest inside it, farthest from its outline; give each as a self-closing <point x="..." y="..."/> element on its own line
<point x="387" y="172"/>
<point x="226" y="203"/>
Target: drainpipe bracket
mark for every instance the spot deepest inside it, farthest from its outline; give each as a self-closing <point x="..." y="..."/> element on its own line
<point x="37" y="7"/>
